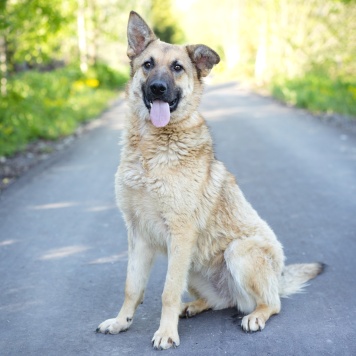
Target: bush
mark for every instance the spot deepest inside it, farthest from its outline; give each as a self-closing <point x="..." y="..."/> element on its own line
<point x="52" y="104"/>
<point x="318" y="92"/>
<point x="108" y="77"/>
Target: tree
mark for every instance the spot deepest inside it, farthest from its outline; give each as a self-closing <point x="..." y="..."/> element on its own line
<point x="165" y="25"/>
<point x="82" y="36"/>
<point x="3" y="58"/>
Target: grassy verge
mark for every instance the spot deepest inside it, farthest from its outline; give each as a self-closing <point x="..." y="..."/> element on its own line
<point x="318" y="93"/>
<point x="52" y="104"/>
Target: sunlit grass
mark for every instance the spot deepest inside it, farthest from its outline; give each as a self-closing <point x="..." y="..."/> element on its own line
<point x="51" y="105"/>
<point x="318" y="93"/>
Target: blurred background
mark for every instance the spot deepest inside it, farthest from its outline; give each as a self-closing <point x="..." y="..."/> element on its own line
<point x="63" y="61"/>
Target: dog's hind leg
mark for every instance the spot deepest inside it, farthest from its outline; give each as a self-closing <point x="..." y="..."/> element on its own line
<point x="141" y="256"/>
<point x="255" y="264"/>
<point x="211" y="292"/>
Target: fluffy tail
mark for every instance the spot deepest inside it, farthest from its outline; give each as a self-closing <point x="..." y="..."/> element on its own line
<point x="294" y="277"/>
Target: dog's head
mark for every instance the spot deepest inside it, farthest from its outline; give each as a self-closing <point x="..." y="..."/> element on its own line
<point x="165" y="79"/>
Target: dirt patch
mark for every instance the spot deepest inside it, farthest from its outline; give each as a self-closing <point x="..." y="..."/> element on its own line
<point x="13" y="167"/>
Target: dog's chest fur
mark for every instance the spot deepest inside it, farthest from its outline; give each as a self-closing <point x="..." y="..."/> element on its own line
<point x="161" y="178"/>
<point x="157" y="161"/>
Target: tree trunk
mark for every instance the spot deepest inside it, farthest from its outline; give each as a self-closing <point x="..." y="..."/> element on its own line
<point x="3" y="66"/>
<point x="92" y="32"/>
<point x="82" y="41"/>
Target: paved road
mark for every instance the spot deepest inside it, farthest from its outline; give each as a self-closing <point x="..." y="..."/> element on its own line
<point x="63" y="244"/>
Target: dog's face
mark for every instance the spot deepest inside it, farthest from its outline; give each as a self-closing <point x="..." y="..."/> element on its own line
<point x="165" y="79"/>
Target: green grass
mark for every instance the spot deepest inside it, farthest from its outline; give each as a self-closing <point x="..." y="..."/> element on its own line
<point x="52" y="104"/>
<point x="318" y="93"/>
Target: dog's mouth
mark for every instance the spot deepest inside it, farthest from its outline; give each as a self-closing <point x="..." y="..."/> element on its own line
<point x="160" y="109"/>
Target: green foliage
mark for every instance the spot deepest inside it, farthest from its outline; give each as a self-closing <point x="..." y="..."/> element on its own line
<point x="318" y="92"/>
<point x="107" y="76"/>
<point x="50" y="105"/>
<point x="305" y="50"/>
<point x="34" y="30"/>
<point x="165" y="24"/>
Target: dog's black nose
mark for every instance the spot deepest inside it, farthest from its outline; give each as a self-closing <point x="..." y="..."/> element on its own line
<point x="158" y="87"/>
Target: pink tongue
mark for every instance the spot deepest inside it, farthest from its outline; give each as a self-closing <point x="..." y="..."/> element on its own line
<point x="159" y="113"/>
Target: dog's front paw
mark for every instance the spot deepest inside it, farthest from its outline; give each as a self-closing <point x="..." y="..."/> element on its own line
<point x="114" y="326"/>
<point x="164" y="339"/>
<point x="252" y="322"/>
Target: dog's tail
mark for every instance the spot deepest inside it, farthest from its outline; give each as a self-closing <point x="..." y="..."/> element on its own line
<point x="294" y="277"/>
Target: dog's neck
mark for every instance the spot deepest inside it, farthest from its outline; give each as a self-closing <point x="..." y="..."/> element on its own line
<point x="171" y="145"/>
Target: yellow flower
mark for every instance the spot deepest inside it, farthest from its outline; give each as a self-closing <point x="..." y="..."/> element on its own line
<point x="93" y="83"/>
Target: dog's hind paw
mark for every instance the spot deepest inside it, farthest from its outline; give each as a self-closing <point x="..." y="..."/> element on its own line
<point x="114" y="326"/>
<point x="192" y="308"/>
<point x="185" y="312"/>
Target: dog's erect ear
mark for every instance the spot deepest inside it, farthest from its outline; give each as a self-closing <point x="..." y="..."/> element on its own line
<point x="203" y="57"/>
<point x="139" y="35"/>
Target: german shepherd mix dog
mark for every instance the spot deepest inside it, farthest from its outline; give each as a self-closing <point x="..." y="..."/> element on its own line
<point x="176" y="198"/>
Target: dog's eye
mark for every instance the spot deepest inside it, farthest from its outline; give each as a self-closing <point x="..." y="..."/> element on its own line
<point x="177" y="67"/>
<point x="147" y="64"/>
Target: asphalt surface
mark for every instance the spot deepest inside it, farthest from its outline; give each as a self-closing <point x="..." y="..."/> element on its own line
<point x="63" y="249"/>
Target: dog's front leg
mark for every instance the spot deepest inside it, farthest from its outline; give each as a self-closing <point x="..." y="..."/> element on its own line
<point x="141" y="256"/>
<point x="179" y="259"/>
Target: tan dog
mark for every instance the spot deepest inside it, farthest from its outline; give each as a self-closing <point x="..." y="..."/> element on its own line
<point x="176" y="198"/>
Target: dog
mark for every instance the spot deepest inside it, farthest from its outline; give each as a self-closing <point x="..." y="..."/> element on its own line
<point x="177" y="199"/>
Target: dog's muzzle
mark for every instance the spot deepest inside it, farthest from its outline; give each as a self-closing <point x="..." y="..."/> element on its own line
<point x="159" y="90"/>
<point x="161" y="100"/>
